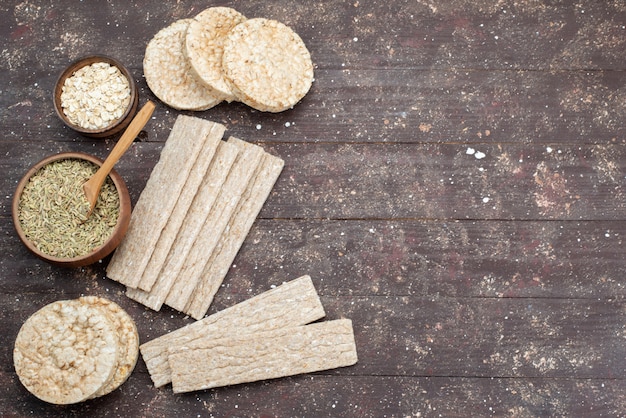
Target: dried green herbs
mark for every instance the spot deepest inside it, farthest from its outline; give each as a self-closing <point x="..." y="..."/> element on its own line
<point x="53" y="208"/>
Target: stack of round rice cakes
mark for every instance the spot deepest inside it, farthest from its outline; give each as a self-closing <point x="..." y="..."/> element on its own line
<point x="73" y="350"/>
<point x="220" y="55"/>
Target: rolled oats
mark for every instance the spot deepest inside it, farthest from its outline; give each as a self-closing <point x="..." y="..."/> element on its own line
<point x="95" y="96"/>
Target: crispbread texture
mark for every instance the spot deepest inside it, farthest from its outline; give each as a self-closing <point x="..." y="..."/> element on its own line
<point x="163" y="273"/>
<point x="128" y="341"/>
<point x="248" y="159"/>
<point x="265" y="355"/>
<point x="66" y="352"/>
<point x="204" y="45"/>
<point x="212" y="215"/>
<point x="290" y="304"/>
<point x="168" y="73"/>
<point x="267" y="65"/>
<point x="159" y="197"/>
<point x="183" y="204"/>
<point x="239" y="225"/>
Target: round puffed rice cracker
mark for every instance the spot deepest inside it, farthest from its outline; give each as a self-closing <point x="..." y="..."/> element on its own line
<point x="65" y="352"/>
<point x="168" y="72"/>
<point x="267" y="64"/>
<point x="128" y="346"/>
<point x="204" y="46"/>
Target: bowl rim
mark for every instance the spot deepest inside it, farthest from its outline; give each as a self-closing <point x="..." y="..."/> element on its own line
<point x="82" y="62"/>
<point x="97" y="253"/>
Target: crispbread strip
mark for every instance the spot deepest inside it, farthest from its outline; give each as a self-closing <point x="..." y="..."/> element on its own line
<point x="174" y="222"/>
<point x="290" y="304"/>
<point x="267" y="355"/>
<point x="238" y="228"/>
<point x="199" y="210"/>
<point x="158" y="198"/>
<point x="215" y="224"/>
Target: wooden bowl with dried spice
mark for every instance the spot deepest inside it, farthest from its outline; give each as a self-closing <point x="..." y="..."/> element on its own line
<point x="96" y="96"/>
<point x="50" y="216"/>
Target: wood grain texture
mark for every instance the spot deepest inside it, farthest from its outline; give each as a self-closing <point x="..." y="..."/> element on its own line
<point x="454" y="183"/>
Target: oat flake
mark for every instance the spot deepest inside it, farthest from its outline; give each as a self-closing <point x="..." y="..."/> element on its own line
<point x="95" y="96"/>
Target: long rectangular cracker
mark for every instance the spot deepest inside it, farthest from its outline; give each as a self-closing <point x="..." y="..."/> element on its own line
<point x="260" y="356"/>
<point x="245" y="214"/>
<point x="240" y="175"/>
<point x="290" y="304"/>
<point x="186" y="236"/>
<point x="159" y="196"/>
<point x="168" y="235"/>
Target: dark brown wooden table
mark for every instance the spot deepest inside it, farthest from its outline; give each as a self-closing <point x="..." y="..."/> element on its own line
<point x="454" y="184"/>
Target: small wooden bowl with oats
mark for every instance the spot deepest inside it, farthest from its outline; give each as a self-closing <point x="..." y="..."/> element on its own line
<point x="96" y="96"/>
<point x="50" y="217"/>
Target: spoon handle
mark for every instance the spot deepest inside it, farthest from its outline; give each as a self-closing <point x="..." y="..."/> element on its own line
<point x="94" y="184"/>
<point x="127" y="138"/>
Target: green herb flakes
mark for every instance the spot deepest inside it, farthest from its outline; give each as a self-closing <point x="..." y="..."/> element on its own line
<point x="53" y="208"/>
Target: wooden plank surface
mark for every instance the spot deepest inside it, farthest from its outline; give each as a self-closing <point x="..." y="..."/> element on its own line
<point x="454" y="184"/>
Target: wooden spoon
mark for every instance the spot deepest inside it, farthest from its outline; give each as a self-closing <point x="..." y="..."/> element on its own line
<point x="94" y="184"/>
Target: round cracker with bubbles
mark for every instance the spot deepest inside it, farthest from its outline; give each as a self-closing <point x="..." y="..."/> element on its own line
<point x="267" y="64"/>
<point x="66" y="352"/>
<point x="168" y="72"/>
<point x="204" y="46"/>
<point x="128" y="341"/>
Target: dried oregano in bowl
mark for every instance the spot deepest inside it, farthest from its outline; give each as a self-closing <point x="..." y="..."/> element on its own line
<point x="50" y="211"/>
<point x="53" y="210"/>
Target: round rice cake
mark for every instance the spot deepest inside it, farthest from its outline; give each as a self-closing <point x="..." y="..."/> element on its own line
<point x="66" y="352"/>
<point x="204" y="46"/>
<point x="168" y="72"/>
<point x="267" y="64"/>
<point x="128" y="341"/>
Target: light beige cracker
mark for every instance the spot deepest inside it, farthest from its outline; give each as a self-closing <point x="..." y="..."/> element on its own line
<point x="204" y="46"/>
<point x="168" y="73"/>
<point x="267" y="355"/>
<point x="192" y="224"/>
<point x="215" y="224"/>
<point x="267" y="65"/>
<point x="238" y="227"/>
<point x="290" y="304"/>
<point x="128" y="341"/>
<point x="66" y="352"/>
<point x="157" y="200"/>
<point x="174" y="222"/>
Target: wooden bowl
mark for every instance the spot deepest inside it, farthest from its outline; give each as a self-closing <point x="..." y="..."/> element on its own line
<point x="98" y="253"/>
<point x="117" y="125"/>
